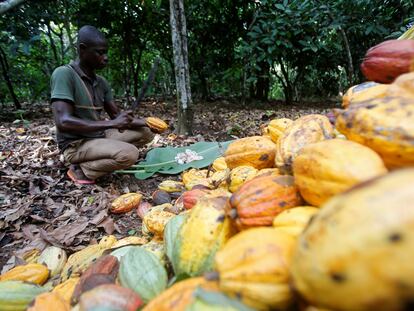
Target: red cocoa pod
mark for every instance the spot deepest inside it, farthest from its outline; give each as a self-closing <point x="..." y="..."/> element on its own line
<point x="143" y="208"/>
<point x="90" y="283"/>
<point x="191" y="197"/>
<point x="105" y="267"/>
<point x="110" y="296"/>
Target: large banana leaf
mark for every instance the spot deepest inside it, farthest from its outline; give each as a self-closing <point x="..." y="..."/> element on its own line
<point x="162" y="160"/>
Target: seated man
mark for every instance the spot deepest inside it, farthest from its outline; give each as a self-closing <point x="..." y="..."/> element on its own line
<point x="92" y="145"/>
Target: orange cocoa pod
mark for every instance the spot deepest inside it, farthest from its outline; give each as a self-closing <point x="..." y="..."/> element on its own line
<point x="156" y="125"/>
<point x="259" y="200"/>
<point x="33" y="273"/>
<point x="126" y="202"/>
<point x="191" y="197"/>
<point x="49" y="302"/>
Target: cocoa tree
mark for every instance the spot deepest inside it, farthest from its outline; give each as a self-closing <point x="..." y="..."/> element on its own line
<point x="182" y="73"/>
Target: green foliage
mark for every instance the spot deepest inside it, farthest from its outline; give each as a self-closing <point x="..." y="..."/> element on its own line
<point x="291" y="49"/>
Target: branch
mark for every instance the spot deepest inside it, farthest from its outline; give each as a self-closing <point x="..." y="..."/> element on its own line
<point x="9" y="4"/>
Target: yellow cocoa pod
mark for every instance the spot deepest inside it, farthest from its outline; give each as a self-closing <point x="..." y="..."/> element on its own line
<point x="385" y="125"/>
<point x="329" y="167"/>
<point x="194" y="177"/>
<point x="32" y="272"/>
<point x="107" y="241"/>
<point x="54" y="258"/>
<point x="219" y="164"/>
<point x="302" y="132"/>
<point x="155" y="221"/>
<point x="362" y="238"/>
<point x="205" y="230"/>
<point x="126" y="203"/>
<point x="66" y="289"/>
<point x="219" y="179"/>
<point x="171" y="186"/>
<point x="130" y="240"/>
<point x="80" y="261"/>
<point x="364" y="91"/>
<point x="156" y="246"/>
<point x="156" y="124"/>
<point x="268" y="171"/>
<point x="240" y="175"/>
<point x="256" y="151"/>
<point x="31" y="256"/>
<point x="254" y="266"/>
<point x="294" y="220"/>
<point x="277" y="127"/>
<point x="49" y="302"/>
<point x="179" y="296"/>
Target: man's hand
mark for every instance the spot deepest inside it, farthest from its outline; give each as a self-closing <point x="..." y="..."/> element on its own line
<point x="123" y="120"/>
<point x="137" y="123"/>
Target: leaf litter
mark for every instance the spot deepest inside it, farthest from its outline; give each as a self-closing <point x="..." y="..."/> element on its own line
<point x="39" y="206"/>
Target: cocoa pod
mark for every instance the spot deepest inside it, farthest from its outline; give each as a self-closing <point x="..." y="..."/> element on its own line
<point x="143" y="208"/>
<point x="110" y="296"/>
<point x="161" y="197"/>
<point x="103" y="271"/>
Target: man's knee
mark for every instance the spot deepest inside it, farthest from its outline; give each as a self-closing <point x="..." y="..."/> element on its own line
<point x="147" y="135"/>
<point x="127" y="156"/>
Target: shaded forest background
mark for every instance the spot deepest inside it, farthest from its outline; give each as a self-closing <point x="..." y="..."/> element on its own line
<point x="292" y="50"/>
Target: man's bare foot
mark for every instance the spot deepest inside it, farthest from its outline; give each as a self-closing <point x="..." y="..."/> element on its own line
<point x="76" y="174"/>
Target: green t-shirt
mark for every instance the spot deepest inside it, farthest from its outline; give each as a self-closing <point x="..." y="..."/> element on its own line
<point x="88" y="96"/>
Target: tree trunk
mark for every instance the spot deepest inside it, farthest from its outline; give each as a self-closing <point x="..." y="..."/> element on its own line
<point x="53" y="45"/>
<point x="136" y="69"/>
<point x="350" y="68"/>
<point x="9" y="4"/>
<point x="182" y="73"/>
<point x="263" y="82"/>
<point x="287" y="85"/>
<point x="5" y="69"/>
<point x="66" y="25"/>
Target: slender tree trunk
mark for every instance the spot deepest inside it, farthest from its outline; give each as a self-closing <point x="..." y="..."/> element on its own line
<point x="348" y="55"/>
<point x="287" y="89"/>
<point x="182" y="73"/>
<point x="9" y="4"/>
<point x="52" y="45"/>
<point x="62" y="46"/>
<point x="66" y="25"/>
<point x="136" y="72"/>
<point x="5" y="69"/>
<point x="350" y="68"/>
<point x="263" y="82"/>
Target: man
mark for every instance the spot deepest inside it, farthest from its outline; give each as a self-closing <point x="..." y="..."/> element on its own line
<point x="93" y="146"/>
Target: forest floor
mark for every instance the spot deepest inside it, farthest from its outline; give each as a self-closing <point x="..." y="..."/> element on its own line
<point x="39" y="206"/>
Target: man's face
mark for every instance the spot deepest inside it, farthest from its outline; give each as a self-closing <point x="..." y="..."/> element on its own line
<point x="95" y="55"/>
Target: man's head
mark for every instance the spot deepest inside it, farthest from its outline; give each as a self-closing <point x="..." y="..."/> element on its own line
<point x="92" y="47"/>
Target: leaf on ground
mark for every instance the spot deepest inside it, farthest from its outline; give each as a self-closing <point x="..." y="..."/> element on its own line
<point x="162" y="160"/>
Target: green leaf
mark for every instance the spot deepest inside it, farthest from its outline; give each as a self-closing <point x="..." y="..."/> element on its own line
<point x="162" y="160"/>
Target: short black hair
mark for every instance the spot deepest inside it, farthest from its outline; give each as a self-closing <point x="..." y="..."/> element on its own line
<point x="90" y="35"/>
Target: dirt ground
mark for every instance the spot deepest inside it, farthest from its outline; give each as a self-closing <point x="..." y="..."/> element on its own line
<point x="39" y="206"/>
